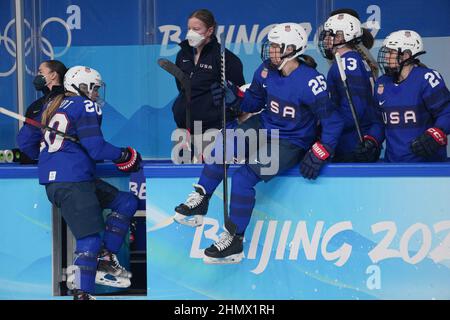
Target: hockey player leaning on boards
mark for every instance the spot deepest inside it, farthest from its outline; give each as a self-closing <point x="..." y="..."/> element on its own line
<point x="49" y="81"/>
<point x="67" y="170"/>
<point x="412" y="100"/>
<point x="343" y="34"/>
<point x="292" y="96"/>
<point x="199" y="58"/>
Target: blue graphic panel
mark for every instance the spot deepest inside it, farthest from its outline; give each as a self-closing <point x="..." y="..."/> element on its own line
<point x="26" y="237"/>
<point x="336" y="238"/>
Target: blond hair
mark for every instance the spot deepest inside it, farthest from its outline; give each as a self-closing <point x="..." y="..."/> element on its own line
<point x="52" y="106"/>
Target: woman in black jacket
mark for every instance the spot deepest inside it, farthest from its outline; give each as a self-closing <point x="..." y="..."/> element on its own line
<point x="49" y="81"/>
<point x="199" y="58"/>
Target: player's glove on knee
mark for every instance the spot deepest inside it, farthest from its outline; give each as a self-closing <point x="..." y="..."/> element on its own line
<point x="368" y="150"/>
<point x="314" y="160"/>
<point x="129" y="161"/>
<point x="429" y="143"/>
<point x="233" y="95"/>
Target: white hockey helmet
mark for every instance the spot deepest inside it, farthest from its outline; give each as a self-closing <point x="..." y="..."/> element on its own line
<point x="349" y="25"/>
<point x="286" y="35"/>
<point x="343" y="23"/>
<point x="403" y="40"/>
<point x="82" y="81"/>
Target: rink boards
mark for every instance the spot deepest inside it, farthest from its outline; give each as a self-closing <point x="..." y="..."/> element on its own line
<point x="358" y="232"/>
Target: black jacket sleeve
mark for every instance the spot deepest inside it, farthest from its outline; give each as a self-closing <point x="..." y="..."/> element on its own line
<point x="234" y="68"/>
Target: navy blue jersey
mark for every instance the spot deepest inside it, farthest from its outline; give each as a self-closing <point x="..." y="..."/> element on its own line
<point x="360" y="84"/>
<point x="30" y="138"/>
<point x="294" y="105"/>
<point x="419" y="102"/>
<point x="62" y="160"/>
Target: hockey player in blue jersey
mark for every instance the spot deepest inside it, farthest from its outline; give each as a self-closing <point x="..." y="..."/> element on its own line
<point x="67" y="170"/>
<point x="292" y="96"/>
<point x="342" y="33"/>
<point x="412" y="100"/>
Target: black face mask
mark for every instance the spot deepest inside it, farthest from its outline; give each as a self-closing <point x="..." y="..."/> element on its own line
<point x="39" y="83"/>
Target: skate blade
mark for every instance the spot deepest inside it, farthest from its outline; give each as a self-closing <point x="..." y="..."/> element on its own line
<point x="71" y="280"/>
<point x="233" y="259"/>
<point x="191" y="221"/>
<point x="107" y="279"/>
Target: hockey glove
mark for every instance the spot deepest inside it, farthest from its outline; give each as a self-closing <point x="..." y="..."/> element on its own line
<point x="314" y="160"/>
<point x="368" y="150"/>
<point x="129" y="160"/>
<point x="429" y="143"/>
<point x="233" y="95"/>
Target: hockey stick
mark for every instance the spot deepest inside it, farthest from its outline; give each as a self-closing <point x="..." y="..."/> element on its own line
<point x="182" y="78"/>
<point x="185" y="84"/>
<point x="347" y="93"/>
<point x="37" y="124"/>
<point x="229" y="225"/>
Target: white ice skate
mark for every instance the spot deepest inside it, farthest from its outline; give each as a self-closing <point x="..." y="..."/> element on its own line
<point x="110" y="272"/>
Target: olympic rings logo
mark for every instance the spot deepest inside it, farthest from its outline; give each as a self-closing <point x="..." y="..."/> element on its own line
<point x="44" y="44"/>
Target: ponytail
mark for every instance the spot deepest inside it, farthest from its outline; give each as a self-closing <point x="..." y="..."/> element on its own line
<point x="367" y="56"/>
<point x="367" y="38"/>
<point x="308" y="60"/>
<point x="53" y="105"/>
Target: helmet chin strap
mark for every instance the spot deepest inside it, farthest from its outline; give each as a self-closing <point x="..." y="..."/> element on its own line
<point x="81" y="93"/>
<point x="286" y="58"/>
<point x="283" y="63"/>
<point x="410" y="60"/>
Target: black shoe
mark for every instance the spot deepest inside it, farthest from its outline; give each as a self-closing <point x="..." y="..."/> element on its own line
<point x="81" y="295"/>
<point x="191" y="212"/>
<point x="228" y="249"/>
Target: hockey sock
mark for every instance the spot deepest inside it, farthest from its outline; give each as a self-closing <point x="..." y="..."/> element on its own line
<point x="124" y="206"/>
<point x="211" y="177"/>
<point x="212" y="174"/>
<point x="243" y="197"/>
<point x="86" y="260"/>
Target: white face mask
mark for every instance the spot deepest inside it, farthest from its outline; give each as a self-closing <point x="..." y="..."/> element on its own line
<point x="194" y="38"/>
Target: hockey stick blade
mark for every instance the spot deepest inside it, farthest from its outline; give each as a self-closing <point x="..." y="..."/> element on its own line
<point x="172" y="68"/>
<point x="36" y="124"/>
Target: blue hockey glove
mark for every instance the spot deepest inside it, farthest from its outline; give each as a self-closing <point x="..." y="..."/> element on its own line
<point x="368" y="150"/>
<point x="129" y="160"/>
<point x="314" y="160"/>
<point x="429" y="143"/>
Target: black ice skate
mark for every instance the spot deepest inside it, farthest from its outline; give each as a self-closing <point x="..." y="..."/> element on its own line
<point x="227" y="250"/>
<point x="110" y="272"/>
<point x="192" y="211"/>
<point x="81" y="295"/>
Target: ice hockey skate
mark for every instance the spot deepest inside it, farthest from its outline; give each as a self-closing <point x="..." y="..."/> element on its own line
<point x="110" y="272"/>
<point x="192" y="211"/>
<point x="227" y="250"/>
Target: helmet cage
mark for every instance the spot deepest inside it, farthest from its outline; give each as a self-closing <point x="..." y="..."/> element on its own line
<point x="265" y="52"/>
<point x="343" y="24"/>
<point x="391" y="65"/>
<point x="86" y="82"/>
<point x="284" y="36"/>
